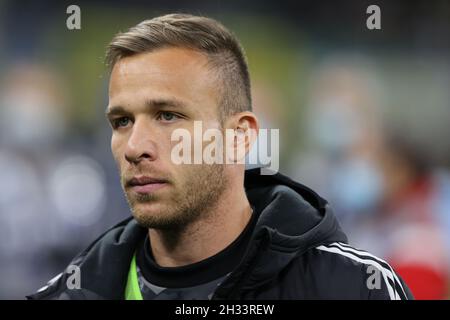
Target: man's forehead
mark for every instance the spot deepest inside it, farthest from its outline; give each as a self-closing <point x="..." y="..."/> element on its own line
<point x="169" y="72"/>
<point x="165" y="61"/>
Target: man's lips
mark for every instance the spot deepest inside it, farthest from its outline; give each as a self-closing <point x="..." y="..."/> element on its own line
<point x="145" y="184"/>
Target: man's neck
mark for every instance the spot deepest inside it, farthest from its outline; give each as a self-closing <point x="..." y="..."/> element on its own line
<point x="205" y="237"/>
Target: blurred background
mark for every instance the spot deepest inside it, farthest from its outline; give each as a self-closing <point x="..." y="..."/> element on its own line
<point x="364" y="119"/>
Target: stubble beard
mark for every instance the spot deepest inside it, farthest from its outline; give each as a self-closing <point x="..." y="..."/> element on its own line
<point x="188" y="203"/>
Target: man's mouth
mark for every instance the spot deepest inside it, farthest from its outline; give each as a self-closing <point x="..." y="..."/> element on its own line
<point x="145" y="184"/>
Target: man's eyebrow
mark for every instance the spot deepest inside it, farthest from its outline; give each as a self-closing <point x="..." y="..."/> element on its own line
<point x="161" y="103"/>
<point x="151" y="103"/>
<point x="116" y="110"/>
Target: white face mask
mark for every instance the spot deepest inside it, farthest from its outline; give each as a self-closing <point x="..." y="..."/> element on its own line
<point x="357" y="185"/>
<point x="29" y="120"/>
<point x="333" y="126"/>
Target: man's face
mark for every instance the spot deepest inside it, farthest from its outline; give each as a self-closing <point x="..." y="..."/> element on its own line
<point x="150" y="95"/>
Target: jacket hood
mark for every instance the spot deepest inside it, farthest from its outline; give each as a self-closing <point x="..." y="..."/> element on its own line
<point x="291" y="218"/>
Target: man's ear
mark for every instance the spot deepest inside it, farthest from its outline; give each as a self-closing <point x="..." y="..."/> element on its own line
<point x="244" y="129"/>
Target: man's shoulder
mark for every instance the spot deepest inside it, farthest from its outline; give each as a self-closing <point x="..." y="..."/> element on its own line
<point x="337" y="270"/>
<point x="115" y="245"/>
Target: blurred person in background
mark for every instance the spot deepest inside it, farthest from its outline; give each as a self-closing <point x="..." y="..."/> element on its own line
<point x="388" y="195"/>
<point x="50" y="190"/>
<point x="405" y="226"/>
<point x="342" y="132"/>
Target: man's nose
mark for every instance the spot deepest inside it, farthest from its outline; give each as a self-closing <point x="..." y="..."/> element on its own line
<point x="141" y="143"/>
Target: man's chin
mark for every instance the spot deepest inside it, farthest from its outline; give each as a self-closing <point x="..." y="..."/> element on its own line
<point x="151" y="215"/>
<point x="148" y="209"/>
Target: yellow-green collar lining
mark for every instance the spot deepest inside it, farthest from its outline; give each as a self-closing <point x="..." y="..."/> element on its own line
<point x="132" y="290"/>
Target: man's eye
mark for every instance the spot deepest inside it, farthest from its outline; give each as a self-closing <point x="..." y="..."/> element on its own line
<point x="168" y="116"/>
<point x="121" y="122"/>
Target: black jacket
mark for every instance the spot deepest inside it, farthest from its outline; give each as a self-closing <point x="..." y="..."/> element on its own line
<point x="297" y="251"/>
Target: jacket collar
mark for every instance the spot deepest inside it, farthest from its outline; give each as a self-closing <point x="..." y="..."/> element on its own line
<point x="292" y="219"/>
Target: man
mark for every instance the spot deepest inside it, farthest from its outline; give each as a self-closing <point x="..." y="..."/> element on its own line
<point x="207" y="231"/>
